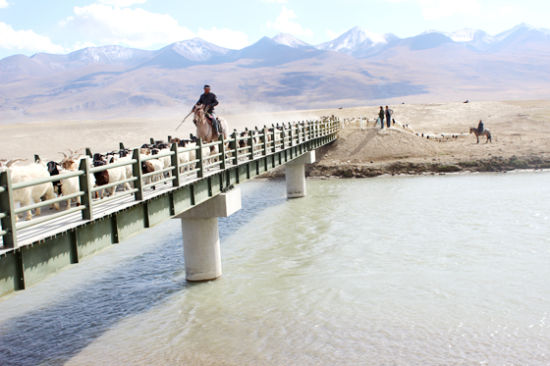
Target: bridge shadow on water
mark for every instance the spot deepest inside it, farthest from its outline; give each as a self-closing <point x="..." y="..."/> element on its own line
<point x="53" y="334"/>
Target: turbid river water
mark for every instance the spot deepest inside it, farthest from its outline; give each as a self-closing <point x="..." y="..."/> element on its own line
<point x="444" y="270"/>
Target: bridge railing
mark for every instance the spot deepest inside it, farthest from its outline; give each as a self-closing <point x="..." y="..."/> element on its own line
<point x="173" y="167"/>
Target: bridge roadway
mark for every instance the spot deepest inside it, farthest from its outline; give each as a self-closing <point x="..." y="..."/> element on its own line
<point x="31" y="250"/>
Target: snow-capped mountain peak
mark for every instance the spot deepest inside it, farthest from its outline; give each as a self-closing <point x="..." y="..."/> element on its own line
<point x="104" y="54"/>
<point x="354" y="38"/>
<point x="463" y="35"/>
<point x="197" y="49"/>
<point x="289" y="40"/>
<point x="522" y="28"/>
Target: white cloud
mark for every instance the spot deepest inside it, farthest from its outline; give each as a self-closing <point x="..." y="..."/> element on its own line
<point x="286" y="23"/>
<point x="134" y="27"/>
<point x="4" y="4"/>
<point x="436" y="9"/>
<point x="26" y="40"/>
<point x="275" y="1"/>
<point x="224" y="37"/>
<point x="122" y="3"/>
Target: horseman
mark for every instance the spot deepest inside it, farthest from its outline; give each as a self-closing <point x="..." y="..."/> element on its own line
<point x="480" y="127"/>
<point x="210" y="101"/>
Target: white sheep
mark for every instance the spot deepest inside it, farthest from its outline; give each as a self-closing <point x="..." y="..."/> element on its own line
<point x="34" y="194"/>
<point x="70" y="185"/>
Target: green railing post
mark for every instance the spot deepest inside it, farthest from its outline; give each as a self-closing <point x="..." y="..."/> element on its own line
<point x="7" y="207"/>
<point x="283" y="136"/>
<point x="222" y="152"/>
<point x="151" y="140"/>
<point x="264" y="153"/>
<point x="175" y="161"/>
<point x="85" y="186"/>
<point x="251" y="143"/>
<point x="138" y="173"/>
<point x="265" y="140"/>
<point x="291" y="142"/>
<point x="121" y="146"/>
<point x="315" y="131"/>
<point x="235" y="146"/>
<point x="89" y="152"/>
<point x="200" y="173"/>
<point x="274" y="147"/>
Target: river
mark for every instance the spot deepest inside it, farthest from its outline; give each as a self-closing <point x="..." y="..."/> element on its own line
<point x="438" y="270"/>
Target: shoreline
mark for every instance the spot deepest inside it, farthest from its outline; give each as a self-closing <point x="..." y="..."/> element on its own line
<point x="514" y="163"/>
<point x="490" y="165"/>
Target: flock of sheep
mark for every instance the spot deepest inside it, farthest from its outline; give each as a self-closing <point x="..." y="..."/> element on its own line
<point x="69" y="184"/>
<point x="363" y="123"/>
<point x="67" y="169"/>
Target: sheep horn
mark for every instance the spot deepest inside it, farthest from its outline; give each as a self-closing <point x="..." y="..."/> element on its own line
<point x="11" y="162"/>
<point x="64" y="155"/>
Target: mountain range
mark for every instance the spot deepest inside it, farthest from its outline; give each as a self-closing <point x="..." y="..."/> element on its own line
<point x="356" y="68"/>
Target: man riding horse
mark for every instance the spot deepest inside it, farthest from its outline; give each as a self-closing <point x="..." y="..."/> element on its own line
<point x="481" y="131"/>
<point x="480" y="127"/>
<point x="210" y="101"/>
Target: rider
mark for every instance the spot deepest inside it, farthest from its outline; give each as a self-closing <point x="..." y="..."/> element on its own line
<point x="210" y="101"/>
<point x="381" y="115"/>
<point x="480" y="127"/>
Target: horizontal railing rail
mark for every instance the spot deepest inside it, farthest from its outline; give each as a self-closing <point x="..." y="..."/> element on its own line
<point x="186" y="165"/>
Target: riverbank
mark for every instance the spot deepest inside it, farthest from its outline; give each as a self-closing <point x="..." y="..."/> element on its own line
<point x="435" y="139"/>
<point x="494" y="164"/>
<point x="426" y="139"/>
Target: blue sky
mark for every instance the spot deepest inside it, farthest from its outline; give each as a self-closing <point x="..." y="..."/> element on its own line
<point x="59" y="26"/>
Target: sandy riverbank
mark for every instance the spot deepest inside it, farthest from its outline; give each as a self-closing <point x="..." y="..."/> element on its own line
<point x="521" y="132"/>
<point x="436" y="140"/>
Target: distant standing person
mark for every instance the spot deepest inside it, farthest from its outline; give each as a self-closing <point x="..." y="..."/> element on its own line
<point x="389" y="113"/>
<point x="381" y="117"/>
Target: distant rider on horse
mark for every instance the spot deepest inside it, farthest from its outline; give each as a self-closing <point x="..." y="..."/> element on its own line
<point x="480" y="127"/>
<point x="210" y="101"/>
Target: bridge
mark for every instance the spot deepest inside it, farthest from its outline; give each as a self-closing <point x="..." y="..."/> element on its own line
<point x="197" y="191"/>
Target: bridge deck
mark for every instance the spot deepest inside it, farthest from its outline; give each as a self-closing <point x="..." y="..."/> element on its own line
<point x="31" y="249"/>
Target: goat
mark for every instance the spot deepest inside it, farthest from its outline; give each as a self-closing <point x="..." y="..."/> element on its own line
<point x="108" y="176"/>
<point x="70" y="185"/>
<point x="33" y="194"/>
<point x="150" y="166"/>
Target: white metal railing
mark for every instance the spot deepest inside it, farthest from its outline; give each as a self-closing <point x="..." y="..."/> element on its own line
<point x="180" y="166"/>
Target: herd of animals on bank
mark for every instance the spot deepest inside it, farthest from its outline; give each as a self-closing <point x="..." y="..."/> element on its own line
<point x="387" y="115"/>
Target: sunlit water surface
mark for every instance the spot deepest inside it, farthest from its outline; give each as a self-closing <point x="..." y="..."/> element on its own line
<point x="445" y="270"/>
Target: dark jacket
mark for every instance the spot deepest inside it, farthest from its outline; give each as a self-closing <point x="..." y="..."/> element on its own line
<point x="480" y="127"/>
<point x="209" y="100"/>
<point x="381" y="114"/>
<point x="388" y="114"/>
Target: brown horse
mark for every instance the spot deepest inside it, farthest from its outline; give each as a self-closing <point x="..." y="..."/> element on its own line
<point x="205" y="131"/>
<point x="485" y="133"/>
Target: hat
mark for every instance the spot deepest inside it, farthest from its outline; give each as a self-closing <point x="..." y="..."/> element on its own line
<point x="206" y="86"/>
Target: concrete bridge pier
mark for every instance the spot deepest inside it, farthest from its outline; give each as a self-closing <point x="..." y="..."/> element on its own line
<point x="201" y="241"/>
<point x="295" y="173"/>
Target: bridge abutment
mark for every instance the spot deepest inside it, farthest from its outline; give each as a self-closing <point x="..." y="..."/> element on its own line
<point x="201" y="241"/>
<point x="295" y="173"/>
